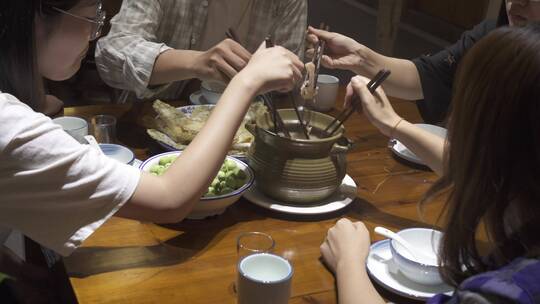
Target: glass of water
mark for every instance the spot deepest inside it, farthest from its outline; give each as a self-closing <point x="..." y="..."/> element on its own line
<point x="249" y="243"/>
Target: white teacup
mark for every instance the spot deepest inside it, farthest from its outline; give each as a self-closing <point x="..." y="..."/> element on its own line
<point x="327" y="94"/>
<point x="74" y="126"/>
<point x="264" y="278"/>
<point x="212" y="90"/>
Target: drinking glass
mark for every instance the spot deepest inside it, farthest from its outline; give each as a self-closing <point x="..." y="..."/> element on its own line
<point x="104" y="128"/>
<point x="249" y="243"/>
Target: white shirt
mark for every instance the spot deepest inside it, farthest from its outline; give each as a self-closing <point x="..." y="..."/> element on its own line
<point x="53" y="189"/>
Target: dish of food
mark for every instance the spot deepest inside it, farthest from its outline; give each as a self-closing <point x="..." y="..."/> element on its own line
<point x="174" y="128"/>
<point x="229" y="178"/>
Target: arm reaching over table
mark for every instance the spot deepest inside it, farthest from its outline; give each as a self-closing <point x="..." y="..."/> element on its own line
<point x="379" y="111"/>
<point x="170" y="197"/>
<point x="345" y="251"/>
<point x="345" y="53"/>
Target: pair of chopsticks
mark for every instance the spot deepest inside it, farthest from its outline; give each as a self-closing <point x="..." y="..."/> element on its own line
<point x="319" y="53"/>
<point x="277" y="120"/>
<point x="346" y="113"/>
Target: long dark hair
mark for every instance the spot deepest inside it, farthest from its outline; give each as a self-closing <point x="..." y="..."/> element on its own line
<point x="19" y="74"/>
<point x="492" y="168"/>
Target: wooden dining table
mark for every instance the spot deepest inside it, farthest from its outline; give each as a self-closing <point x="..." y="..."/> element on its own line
<point x="194" y="261"/>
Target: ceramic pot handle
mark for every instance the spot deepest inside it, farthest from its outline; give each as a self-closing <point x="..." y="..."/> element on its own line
<point x="343" y="145"/>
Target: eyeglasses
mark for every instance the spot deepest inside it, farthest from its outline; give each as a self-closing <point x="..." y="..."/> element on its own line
<point x="97" y="23"/>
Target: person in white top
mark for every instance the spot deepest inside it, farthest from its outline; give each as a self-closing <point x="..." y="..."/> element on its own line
<point x="57" y="191"/>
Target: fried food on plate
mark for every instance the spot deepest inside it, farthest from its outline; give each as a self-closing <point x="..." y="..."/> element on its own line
<point x="177" y="129"/>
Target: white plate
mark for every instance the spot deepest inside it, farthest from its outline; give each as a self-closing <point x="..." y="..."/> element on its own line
<point x="345" y="195"/>
<point x="401" y="150"/>
<point x="382" y="269"/>
<point x="118" y="152"/>
<point x="197" y="98"/>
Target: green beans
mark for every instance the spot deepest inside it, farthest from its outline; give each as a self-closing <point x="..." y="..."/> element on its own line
<point x="229" y="178"/>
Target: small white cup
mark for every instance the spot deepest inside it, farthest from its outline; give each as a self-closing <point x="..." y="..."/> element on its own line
<point x="212" y="90"/>
<point x="74" y="126"/>
<point x="264" y="278"/>
<point x="327" y="94"/>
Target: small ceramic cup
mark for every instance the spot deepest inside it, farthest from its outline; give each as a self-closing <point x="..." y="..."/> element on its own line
<point x="74" y="126"/>
<point x="327" y="93"/>
<point x="212" y="91"/>
<point x="264" y="278"/>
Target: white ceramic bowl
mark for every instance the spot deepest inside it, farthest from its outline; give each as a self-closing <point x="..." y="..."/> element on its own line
<point x="425" y="272"/>
<point x="214" y="205"/>
<point x="118" y="152"/>
<point x="74" y="126"/>
<point x="212" y="91"/>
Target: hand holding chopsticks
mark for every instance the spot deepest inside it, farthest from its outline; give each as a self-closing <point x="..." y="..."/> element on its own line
<point x="355" y="103"/>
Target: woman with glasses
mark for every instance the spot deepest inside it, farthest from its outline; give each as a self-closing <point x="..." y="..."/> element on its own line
<point x="57" y="191"/>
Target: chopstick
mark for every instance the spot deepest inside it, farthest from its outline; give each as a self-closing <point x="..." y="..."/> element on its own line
<point x="270" y="43"/>
<point x="278" y="121"/>
<point x="302" y="124"/>
<point x="320" y="53"/>
<point x="346" y="113"/>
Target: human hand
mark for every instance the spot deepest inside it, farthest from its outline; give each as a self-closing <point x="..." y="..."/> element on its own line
<point x="341" y="51"/>
<point x="376" y="107"/>
<point x="347" y="243"/>
<point x="222" y="62"/>
<point x="273" y="69"/>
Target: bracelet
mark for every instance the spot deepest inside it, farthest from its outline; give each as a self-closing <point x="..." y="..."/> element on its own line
<point x="395" y="127"/>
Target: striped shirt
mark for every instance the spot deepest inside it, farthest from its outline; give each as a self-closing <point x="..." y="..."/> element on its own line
<point x="143" y="29"/>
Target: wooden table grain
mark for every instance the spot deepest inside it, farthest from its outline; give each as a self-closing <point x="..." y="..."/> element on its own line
<point x="194" y="261"/>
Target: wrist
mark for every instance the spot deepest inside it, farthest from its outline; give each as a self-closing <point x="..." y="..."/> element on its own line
<point x="249" y="83"/>
<point x="388" y="126"/>
<point x="198" y="67"/>
<point x="351" y="262"/>
<point x="367" y="61"/>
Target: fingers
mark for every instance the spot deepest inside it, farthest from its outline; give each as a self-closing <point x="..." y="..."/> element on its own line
<point x="349" y="93"/>
<point x="312" y="38"/>
<point x="241" y="52"/>
<point x="321" y="34"/>
<point x="235" y="62"/>
<point x="224" y="67"/>
<point x="359" y="85"/>
<point x="327" y="62"/>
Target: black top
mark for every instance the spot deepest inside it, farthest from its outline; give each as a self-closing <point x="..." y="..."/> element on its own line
<point x="437" y="71"/>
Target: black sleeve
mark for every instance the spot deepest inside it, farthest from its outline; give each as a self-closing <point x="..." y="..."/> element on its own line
<point x="437" y="73"/>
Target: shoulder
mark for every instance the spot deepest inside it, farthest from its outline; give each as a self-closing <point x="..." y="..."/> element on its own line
<point x="517" y="282"/>
<point x="19" y="121"/>
<point x="479" y="31"/>
<point x="13" y="111"/>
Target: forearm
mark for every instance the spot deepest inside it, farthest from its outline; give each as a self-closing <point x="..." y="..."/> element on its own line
<point x="174" y="65"/>
<point x="354" y="286"/>
<point x="404" y="82"/>
<point x="427" y="146"/>
<point x="170" y="198"/>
